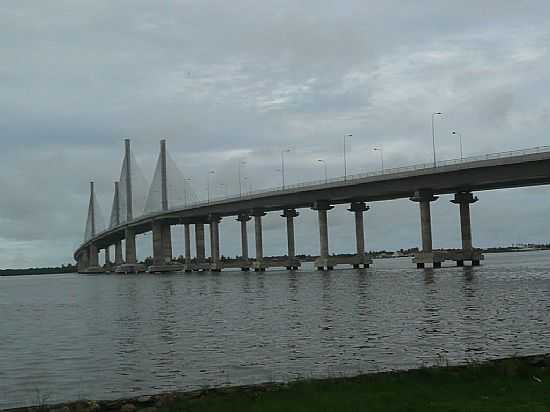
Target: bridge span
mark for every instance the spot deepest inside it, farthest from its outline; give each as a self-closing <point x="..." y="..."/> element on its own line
<point x="419" y="183"/>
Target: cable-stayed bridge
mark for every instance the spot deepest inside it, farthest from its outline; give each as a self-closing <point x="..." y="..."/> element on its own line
<point x="171" y="201"/>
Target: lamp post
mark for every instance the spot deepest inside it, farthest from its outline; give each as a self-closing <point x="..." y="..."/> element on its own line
<point x="325" y="167"/>
<point x="241" y="163"/>
<point x="210" y="173"/>
<point x="433" y="135"/>
<point x="460" y="141"/>
<point x="381" y="150"/>
<point x="283" y="165"/>
<point x="345" y="160"/>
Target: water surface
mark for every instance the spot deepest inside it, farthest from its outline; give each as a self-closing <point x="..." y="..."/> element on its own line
<point x="67" y="337"/>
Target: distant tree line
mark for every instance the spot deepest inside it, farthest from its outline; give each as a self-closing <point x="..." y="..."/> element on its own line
<point x="69" y="268"/>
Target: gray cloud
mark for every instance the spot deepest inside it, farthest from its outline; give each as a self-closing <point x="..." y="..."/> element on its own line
<point x="223" y="81"/>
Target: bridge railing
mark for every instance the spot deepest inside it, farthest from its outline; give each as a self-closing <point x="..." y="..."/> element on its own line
<point x="320" y="184"/>
<point x="389" y="171"/>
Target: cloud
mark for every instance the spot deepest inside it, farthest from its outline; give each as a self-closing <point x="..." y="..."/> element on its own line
<point x="226" y="81"/>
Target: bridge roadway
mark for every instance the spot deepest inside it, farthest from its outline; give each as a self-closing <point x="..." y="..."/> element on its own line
<point x="420" y="183"/>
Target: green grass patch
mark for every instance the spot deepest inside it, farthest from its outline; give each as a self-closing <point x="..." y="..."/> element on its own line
<point x="508" y="385"/>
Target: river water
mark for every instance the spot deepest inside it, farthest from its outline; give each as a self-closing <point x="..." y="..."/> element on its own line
<point x="66" y="337"/>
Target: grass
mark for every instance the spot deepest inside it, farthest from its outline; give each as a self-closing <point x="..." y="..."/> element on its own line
<point x="507" y="385"/>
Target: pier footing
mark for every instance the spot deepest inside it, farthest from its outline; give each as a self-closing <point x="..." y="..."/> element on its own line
<point x="436" y="258"/>
<point x="331" y="262"/>
<point x="127" y="268"/>
<point x="165" y="268"/>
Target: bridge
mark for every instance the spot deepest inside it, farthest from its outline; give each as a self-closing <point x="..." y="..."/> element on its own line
<point x="171" y="201"/>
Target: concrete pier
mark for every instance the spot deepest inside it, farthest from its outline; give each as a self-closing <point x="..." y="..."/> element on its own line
<point x="93" y="261"/>
<point x="424" y="198"/>
<point x="259" y="263"/>
<point x="93" y="258"/>
<point x="162" y="249"/>
<point x="118" y="253"/>
<point x="131" y="265"/>
<point x="82" y="261"/>
<point x="358" y="208"/>
<point x="464" y="199"/>
<point x="215" y="264"/>
<point x="290" y="214"/>
<point x="323" y="262"/>
<point x="167" y="244"/>
<point x="157" y="244"/>
<point x="107" y="254"/>
<point x="187" y="241"/>
<point x="199" y="244"/>
<point x="130" y="237"/>
<point x="244" y="218"/>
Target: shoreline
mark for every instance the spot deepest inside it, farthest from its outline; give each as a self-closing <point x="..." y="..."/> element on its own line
<point x="533" y="369"/>
<point x="5" y="272"/>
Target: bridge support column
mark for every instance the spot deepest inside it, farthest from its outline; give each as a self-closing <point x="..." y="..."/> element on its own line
<point x="131" y="265"/>
<point x="424" y="197"/>
<point x="187" y="239"/>
<point x="162" y="248"/>
<point x="199" y="244"/>
<point x="358" y="208"/>
<point x="215" y="265"/>
<point x="244" y="218"/>
<point x="259" y="264"/>
<point x="108" y="263"/>
<point x="464" y="199"/>
<point x="166" y="244"/>
<point x="118" y="253"/>
<point x="93" y="260"/>
<point x="83" y="261"/>
<point x="290" y="214"/>
<point x="323" y="262"/>
<point x="157" y="244"/>
<point x="130" y="237"/>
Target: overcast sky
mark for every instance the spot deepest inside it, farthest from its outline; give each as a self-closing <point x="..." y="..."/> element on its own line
<point x="230" y="80"/>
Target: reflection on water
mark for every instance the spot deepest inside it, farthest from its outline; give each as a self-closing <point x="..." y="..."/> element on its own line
<point x="109" y="336"/>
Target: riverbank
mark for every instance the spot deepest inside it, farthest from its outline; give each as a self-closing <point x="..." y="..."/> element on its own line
<point x="513" y="384"/>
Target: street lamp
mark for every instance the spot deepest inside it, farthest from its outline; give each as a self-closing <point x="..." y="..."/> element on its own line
<point x="345" y="160"/>
<point x="210" y="173"/>
<point x="433" y="135"/>
<point x="283" y="165"/>
<point x="460" y="141"/>
<point x="381" y="150"/>
<point x="325" y="166"/>
<point x="241" y="163"/>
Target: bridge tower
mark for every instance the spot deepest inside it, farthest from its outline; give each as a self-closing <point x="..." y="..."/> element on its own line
<point x="162" y="234"/>
<point x="125" y="213"/>
<point x="115" y="221"/>
<point x="91" y="258"/>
